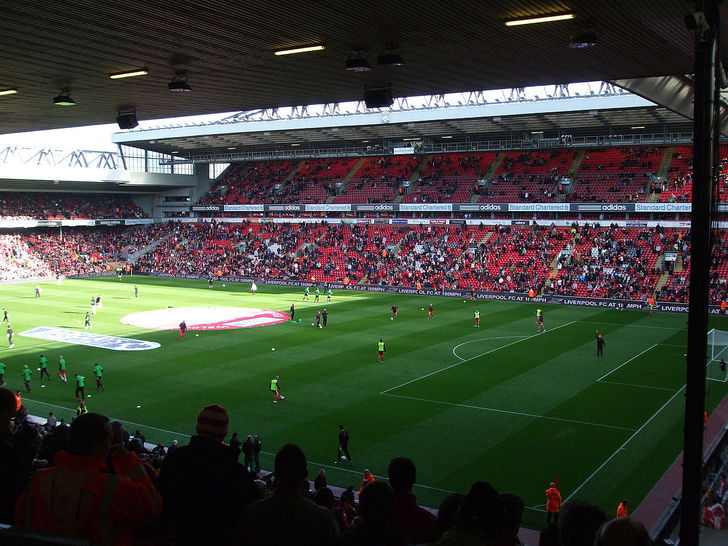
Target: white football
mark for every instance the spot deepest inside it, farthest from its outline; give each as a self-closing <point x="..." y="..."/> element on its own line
<point x="343" y="457"/>
<point x="197" y="335"/>
<point x="272" y="348"/>
<point x="223" y="284"/>
<point x="391" y="318"/>
<point x="423" y="308"/>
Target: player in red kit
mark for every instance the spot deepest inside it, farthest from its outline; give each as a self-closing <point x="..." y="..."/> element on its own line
<point x="182" y="329"/>
<point x="431" y="313"/>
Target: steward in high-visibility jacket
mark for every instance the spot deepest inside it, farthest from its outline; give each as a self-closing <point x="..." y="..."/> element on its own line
<point x="553" y="503"/>
<point x="81" y="497"/>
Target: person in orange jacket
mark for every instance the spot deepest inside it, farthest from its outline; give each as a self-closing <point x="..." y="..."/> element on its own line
<point x="80" y="495"/>
<point x="622" y="509"/>
<point x="366" y="479"/>
<point x="553" y="503"/>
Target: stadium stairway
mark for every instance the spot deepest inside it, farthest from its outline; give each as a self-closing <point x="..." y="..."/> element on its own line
<point x="347" y="177"/>
<point x="571" y="173"/>
<point x="290" y="175"/>
<point x="490" y="173"/>
<point x="661" y="281"/>
<point x="665" y="163"/>
<point x="415" y="176"/>
<point x="134" y="257"/>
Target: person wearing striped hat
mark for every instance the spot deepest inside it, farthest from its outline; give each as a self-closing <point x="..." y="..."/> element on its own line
<point x="203" y="487"/>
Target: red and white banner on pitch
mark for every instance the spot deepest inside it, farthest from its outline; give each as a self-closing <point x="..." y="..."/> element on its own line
<point x="205" y="318"/>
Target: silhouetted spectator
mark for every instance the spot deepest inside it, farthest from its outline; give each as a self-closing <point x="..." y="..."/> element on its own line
<point x="624" y="531"/>
<point x="579" y="523"/>
<point x="205" y="490"/>
<point x="513" y="506"/>
<point x="415" y="524"/>
<point x="13" y="474"/>
<point x="287" y="516"/>
<point x="448" y="509"/>
<point x="480" y="518"/>
<point x="376" y="507"/>
<point x="320" y="480"/>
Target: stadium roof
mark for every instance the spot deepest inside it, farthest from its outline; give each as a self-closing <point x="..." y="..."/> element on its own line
<point x="226" y="48"/>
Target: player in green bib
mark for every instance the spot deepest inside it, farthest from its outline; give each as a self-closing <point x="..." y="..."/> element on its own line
<point x="476" y="318"/>
<point x="44" y="368"/>
<point x="3" y="367"/>
<point x="99" y="372"/>
<point x="328" y="295"/>
<point x="80" y="387"/>
<point x="62" y="369"/>
<point x="539" y="321"/>
<point x="316" y="295"/>
<point x="381" y="349"/>
<point x="26" y="373"/>
<point x="305" y="294"/>
<point x="274" y="387"/>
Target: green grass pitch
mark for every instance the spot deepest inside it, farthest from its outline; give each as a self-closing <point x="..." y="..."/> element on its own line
<point x="499" y="403"/>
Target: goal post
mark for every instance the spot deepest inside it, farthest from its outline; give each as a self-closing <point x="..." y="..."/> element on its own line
<point x="717" y="351"/>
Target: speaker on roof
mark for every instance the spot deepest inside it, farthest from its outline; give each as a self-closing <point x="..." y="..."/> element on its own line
<point x="127" y="120"/>
<point x="379" y="96"/>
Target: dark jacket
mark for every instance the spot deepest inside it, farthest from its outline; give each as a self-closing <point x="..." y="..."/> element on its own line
<point x="204" y="490"/>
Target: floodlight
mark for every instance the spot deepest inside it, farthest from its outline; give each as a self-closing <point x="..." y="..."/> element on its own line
<point x="357" y="62"/>
<point x="64" y="98"/>
<point x="179" y="83"/>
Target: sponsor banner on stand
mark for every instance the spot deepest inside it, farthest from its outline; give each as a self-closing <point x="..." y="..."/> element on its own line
<point x="426" y="207"/>
<point x="208" y="208"/>
<point x="457" y="222"/>
<point x="109" y="222"/>
<point x="481" y="207"/>
<point x="663" y="207"/>
<point x="329" y="207"/>
<point x="49" y="223"/>
<point x="520" y="222"/>
<point x="380" y="220"/>
<point x="602" y="303"/>
<point x="284" y="208"/>
<point x="399" y="220"/>
<point x="634" y="223"/>
<point x="438" y="221"/>
<point x="378" y="207"/>
<point x="243" y="208"/>
<point x="602" y="207"/>
<point x="538" y="207"/>
<point x="138" y="221"/>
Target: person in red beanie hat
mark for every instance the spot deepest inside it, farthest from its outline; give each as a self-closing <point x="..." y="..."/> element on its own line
<point x="203" y="486"/>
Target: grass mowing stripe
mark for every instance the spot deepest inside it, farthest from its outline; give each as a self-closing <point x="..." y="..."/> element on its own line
<point x="474" y="357"/>
<point x="635" y="385"/>
<point x="496" y="410"/>
<point x="628" y="440"/>
<point x="627" y="362"/>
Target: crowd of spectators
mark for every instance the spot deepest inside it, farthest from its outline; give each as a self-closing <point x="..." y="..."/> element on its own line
<point x="582" y="260"/>
<point x="66" y="206"/>
<point x="92" y="480"/>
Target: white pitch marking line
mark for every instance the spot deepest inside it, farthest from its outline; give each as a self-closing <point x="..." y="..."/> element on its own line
<point x="474" y="357"/>
<point x="635" y="385"/>
<point x="476" y="341"/>
<point x="623" y="446"/>
<point x="522" y="414"/>
<point x="627" y="362"/>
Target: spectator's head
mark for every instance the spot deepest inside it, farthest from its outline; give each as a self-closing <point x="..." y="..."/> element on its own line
<point x="290" y="467"/>
<point x="578" y="523"/>
<point x="623" y="532"/>
<point x="548" y="536"/>
<point x="324" y="497"/>
<point x="402" y="474"/>
<point x="212" y="422"/>
<point x="7" y="408"/>
<point x="447" y="511"/>
<point x="513" y="506"/>
<point x="376" y="504"/>
<point x="90" y="434"/>
<point x="482" y="510"/>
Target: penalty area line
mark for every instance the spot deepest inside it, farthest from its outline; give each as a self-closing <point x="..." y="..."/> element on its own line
<point x="624" y="445"/>
<point x="474" y="357"/>
<point x="627" y="362"/>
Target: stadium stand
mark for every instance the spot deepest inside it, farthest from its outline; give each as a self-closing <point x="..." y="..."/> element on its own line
<point x="57" y="206"/>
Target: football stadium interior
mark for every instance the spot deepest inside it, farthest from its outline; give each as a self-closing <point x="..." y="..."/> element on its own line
<point x="488" y="239"/>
